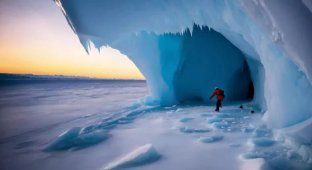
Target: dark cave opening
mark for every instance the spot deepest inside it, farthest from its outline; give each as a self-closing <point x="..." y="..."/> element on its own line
<point x="210" y="60"/>
<point x="251" y="91"/>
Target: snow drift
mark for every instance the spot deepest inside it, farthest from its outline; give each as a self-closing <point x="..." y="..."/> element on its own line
<point x="267" y="42"/>
<point x="77" y="138"/>
<point x="142" y="155"/>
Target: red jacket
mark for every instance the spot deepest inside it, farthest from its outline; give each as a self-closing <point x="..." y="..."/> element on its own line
<point x="217" y="93"/>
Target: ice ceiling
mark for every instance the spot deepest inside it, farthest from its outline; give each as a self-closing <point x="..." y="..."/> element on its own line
<point x="185" y="48"/>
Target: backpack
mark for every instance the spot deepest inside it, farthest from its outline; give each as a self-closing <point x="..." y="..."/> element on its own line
<point x="222" y="93"/>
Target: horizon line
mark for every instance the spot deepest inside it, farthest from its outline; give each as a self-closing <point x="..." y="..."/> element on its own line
<point x="67" y="76"/>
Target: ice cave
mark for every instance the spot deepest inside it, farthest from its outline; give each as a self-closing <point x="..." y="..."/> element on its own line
<point x="257" y="50"/>
<point x="185" y="48"/>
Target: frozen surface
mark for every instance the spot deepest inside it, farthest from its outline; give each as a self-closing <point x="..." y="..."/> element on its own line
<point x="193" y="130"/>
<point x="143" y="155"/>
<point x="186" y="119"/>
<point x="262" y="141"/>
<point x="77" y="138"/>
<point x="133" y="135"/>
<point x="210" y="139"/>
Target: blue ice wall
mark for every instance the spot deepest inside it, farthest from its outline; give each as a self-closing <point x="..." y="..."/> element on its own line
<point x="208" y="60"/>
<point x="258" y="78"/>
<point x="275" y="37"/>
<point x="190" y="65"/>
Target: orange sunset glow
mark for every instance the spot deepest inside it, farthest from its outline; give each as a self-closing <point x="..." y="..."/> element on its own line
<point x="35" y="38"/>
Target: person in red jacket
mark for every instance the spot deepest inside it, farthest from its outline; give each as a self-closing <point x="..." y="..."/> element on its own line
<point x="220" y="96"/>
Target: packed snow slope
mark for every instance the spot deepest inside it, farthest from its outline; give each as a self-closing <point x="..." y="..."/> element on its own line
<point x="273" y="37"/>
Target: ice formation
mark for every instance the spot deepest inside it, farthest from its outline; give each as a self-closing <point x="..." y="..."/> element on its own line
<point x="186" y="119"/>
<point x="77" y="138"/>
<point x="211" y="139"/>
<point x="263" y="141"/>
<point x="233" y="42"/>
<point x="194" y="130"/>
<point x="143" y="155"/>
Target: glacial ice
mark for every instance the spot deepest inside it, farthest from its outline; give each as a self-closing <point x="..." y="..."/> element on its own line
<point x="173" y="53"/>
<point x="262" y="132"/>
<point x="76" y="138"/>
<point x="65" y="140"/>
<point x="140" y="156"/>
<point x="89" y="139"/>
<point x="263" y="141"/>
<point x="211" y="139"/>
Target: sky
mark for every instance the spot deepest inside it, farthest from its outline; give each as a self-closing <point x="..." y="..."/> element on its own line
<point x="35" y="38"/>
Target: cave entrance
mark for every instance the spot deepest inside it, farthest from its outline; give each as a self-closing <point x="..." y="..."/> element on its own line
<point x="251" y="90"/>
<point x="209" y="60"/>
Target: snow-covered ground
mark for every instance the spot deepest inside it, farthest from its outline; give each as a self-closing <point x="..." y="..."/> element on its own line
<point x="33" y="113"/>
<point x="104" y="125"/>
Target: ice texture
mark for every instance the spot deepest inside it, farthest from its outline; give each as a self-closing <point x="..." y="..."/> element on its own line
<point x="80" y="138"/>
<point x="211" y="139"/>
<point x="140" y="156"/>
<point x="263" y="141"/>
<point x="186" y="119"/>
<point x="65" y="140"/>
<point x="272" y="37"/>
<point x="76" y="138"/>
<point x="262" y="132"/>
<point x="194" y="130"/>
<point x="45" y="109"/>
